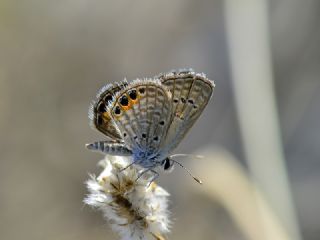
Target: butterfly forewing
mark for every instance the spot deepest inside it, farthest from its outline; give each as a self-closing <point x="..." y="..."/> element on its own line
<point x="142" y="112"/>
<point x="99" y="117"/>
<point x="147" y="119"/>
<point x="190" y="95"/>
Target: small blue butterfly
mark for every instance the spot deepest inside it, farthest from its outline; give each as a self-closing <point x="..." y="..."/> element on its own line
<point x="147" y="119"/>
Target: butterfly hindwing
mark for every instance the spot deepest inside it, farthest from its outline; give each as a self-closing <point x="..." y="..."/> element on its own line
<point x="99" y="117"/>
<point x="190" y="94"/>
<point x="142" y="112"/>
<point x="147" y="119"/>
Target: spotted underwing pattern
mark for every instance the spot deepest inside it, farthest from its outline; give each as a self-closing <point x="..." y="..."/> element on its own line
<point x="147" y="118"/>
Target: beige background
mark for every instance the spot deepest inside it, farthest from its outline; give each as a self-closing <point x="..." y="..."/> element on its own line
<point x="55" y="55"/>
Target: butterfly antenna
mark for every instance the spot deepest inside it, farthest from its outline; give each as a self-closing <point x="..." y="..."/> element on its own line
<point x="195" y="178"/>
<point x="186" y="155"/>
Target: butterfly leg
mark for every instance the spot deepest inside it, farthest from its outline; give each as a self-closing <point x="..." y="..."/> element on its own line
<point x="129" y="165"/>
<point x="110" y="147"/>
<point x="142" y="173"/>
<point x="156" y="175"/>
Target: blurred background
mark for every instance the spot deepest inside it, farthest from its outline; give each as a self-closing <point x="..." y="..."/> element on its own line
<point x="55" y="55"/>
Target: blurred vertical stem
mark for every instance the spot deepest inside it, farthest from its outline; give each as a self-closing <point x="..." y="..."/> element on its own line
<point x="249" y="46"/>
<point x="228" y="183"/>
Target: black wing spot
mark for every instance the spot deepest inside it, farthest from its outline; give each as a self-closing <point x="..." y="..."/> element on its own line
<point x="117" y="110"/>
<point x="108" y="98"/>
<point x="161" y="123"/>
<point x="101" y="107"/>
<point x="133" y="94"/>
<point x="195" y="106"/>
<point x="99" y="120"/>
<point x="190" y="101"/>
<point x="144" y="135"/>
<point x="135" y="137"/>
<point x="124" y="101"/>
<point x="183" y="100"/>
<point x="124" y="134"/>
<point x="142" y="90"/>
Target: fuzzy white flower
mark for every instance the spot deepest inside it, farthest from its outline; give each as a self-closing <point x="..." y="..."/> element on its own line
<point x="134" y="208"/>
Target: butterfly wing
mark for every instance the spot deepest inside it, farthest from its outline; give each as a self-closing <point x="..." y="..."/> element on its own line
<point x="142" y="112"/>
<point x="190" y="94"/>
<point x="100" y="118"/>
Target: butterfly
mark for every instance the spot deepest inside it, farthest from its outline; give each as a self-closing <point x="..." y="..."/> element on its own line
<point x="146" y="119"/>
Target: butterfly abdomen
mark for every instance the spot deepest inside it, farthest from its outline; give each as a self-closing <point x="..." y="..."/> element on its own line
<point x="111" y="148"/>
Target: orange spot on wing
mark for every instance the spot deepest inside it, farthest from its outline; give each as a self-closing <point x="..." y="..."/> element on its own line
<point x="131" y="103"/>
<point x="126" y="108"/>
<point x="134" y="101"/>
<point x="106" y="117"/>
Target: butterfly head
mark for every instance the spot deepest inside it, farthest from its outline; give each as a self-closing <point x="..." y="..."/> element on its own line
<point x="167" y="165"/>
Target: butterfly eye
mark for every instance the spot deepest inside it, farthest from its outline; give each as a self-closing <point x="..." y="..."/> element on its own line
<point x="133" y="94"/>
<point x="156" y="138"/>
<point x="117" y="110"/>
<point x="124" y="100"/>
<point x="167" y="165"/>
<point x="175" y="100"/>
